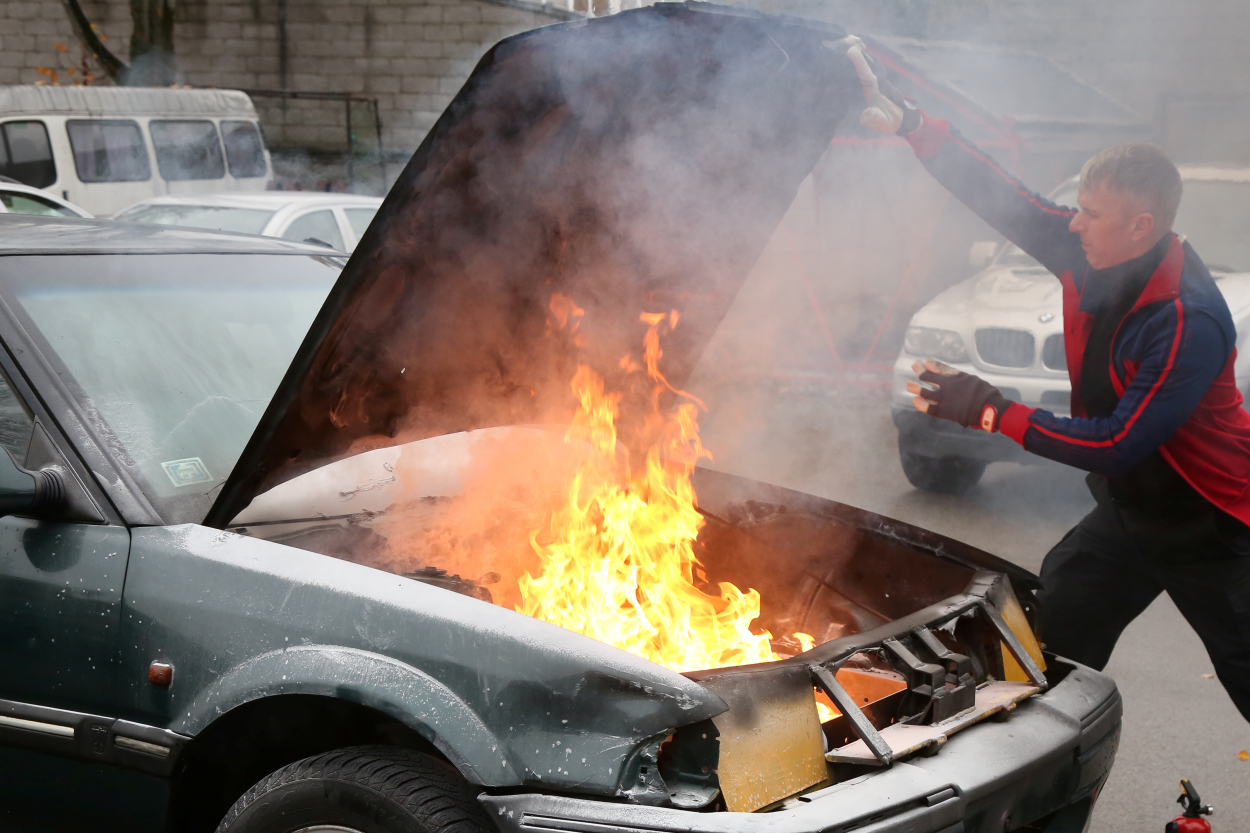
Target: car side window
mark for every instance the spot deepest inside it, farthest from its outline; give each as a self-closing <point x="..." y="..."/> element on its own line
<point x="26" y="154"/>
<point x="16" y="203"/>
<point x="360" y="218"/>
<point x="244" y="150"/>
<point x="187" y="149"/>
<point x="16" y="423"/>
<point x="317" y="227"/>
<point x="108" y="150"/>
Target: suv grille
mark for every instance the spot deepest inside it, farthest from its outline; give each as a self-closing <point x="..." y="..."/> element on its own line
<point x="1006" y="348"/>
<point x="1053" y="355"/>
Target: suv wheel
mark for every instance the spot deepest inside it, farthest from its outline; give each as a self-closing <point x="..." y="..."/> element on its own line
<point x="948" y="475"/>
<point x="364" y="789"/>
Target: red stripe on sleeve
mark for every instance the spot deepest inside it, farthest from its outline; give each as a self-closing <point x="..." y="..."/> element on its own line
<point x="1015" y="421"/>
<point x="927" y="139"/>
<point x="993" y="166"/>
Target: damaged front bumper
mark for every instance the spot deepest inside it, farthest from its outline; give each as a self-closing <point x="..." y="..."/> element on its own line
<point x="1040" y="765"/>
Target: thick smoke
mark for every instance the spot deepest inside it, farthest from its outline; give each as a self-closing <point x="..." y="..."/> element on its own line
<point x="551" y="173"/>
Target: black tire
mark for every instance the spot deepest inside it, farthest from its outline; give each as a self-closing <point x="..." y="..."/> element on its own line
<point x="370" y="789"/>
<point x="947" y="475"/>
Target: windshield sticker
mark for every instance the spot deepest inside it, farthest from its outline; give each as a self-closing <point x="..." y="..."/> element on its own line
<point x="187" y="472"/>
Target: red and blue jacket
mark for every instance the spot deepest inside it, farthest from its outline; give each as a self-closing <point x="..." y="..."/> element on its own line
<point x="1171" y="358"/>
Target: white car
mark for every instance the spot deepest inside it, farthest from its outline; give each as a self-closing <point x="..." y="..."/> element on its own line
<point x="334" y="220"/>
<point x="1005" y="324"/>
<point x="16" y="198"/>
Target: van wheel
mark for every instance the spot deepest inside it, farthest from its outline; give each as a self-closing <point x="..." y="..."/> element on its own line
<point x="947" y="475"/>
<point x="364" y="789"/>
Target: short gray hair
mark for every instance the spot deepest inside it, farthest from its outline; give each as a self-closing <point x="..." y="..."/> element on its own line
<point x="1142" y="170"/>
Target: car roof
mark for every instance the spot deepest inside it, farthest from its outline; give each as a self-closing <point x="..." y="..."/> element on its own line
<point x="270" y="200"/>
<point x="19" y="188"/>
<point x="30" y="234"/>
<point x="95" y="101"/>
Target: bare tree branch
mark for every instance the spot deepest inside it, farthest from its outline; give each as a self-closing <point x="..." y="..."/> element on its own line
<point x="110" y="63"/>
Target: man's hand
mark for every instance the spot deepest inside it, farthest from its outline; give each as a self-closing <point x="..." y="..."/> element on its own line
<point x="960" y="397"/>
<point x="885" y="112"/>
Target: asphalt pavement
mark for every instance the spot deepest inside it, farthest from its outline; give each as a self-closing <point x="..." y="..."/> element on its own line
<point x="841" y="444"/>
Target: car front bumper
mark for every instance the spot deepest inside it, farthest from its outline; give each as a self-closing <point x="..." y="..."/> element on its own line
<point x="1046" y="761"/>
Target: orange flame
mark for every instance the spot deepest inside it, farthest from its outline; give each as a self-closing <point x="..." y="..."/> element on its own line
<point x="617" y="556"/>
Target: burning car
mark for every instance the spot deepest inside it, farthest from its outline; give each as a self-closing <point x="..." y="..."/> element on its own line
<point x="269" y="552"/>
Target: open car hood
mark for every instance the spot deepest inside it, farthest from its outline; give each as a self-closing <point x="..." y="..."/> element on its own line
<point x="634" y="163"/>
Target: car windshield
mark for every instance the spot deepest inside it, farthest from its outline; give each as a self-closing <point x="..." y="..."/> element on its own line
<point x="220" y="218"/>
<point x="171" y="358"/>
<point x="1213" y="214"/>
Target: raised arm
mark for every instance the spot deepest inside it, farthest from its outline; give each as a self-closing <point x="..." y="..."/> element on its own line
<point x="1032" y="222"/>
<point x="1035" y="224"/>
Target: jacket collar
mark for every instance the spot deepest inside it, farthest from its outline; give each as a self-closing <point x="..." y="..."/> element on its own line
<point x="1163" y="284"/>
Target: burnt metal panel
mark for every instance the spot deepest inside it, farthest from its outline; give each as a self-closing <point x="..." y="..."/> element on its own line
<point x="770" y="738"/>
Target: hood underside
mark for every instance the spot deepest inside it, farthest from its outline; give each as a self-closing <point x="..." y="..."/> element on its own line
<point x="635" y="163"/>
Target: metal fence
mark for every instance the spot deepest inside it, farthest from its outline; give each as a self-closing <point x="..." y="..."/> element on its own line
<point x="323" y="140"/>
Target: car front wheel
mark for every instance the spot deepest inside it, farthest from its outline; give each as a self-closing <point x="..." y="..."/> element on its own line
<point x="364" y="789"/>
<point x="948" y="475"/>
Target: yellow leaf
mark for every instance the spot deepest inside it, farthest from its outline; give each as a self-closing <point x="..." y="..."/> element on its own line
<point x="1208" y="676"/>
<point x="1243" y="755"/>
<point x="60" y="47"/>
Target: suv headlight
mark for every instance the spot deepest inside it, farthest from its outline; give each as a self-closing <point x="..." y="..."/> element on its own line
<point x="926" y="342"/>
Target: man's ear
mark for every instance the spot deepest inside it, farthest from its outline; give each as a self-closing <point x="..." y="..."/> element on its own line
<point x="1141" y="226"/>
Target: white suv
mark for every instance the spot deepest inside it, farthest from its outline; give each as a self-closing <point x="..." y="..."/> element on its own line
<point x="1005" y="324"/>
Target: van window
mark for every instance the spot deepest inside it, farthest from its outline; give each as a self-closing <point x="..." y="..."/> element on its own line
<point x="317" y="227"/>
<point x="25" y="154"/>
<point x="187" y="150"/>
<point x="108" y="150"/>
<point x="244" y="150"/>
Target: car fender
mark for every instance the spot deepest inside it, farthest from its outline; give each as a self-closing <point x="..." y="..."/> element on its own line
<point x="368" y="679"/>
<point x="227" y="611"/>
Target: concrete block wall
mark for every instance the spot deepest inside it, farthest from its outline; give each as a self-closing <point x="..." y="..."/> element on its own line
<point x="1183" y="64"/>
<point x="35" y="35"/>
<point x="411" y="55"/>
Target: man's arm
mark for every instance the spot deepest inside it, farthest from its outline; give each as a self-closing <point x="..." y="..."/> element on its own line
<point x="1027" y="219"/>
<point x="1032" y="222"/>
<point x="1186" y="354"/>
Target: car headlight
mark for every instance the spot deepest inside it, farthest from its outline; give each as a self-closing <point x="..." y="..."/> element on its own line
<point x="927" y="342"/>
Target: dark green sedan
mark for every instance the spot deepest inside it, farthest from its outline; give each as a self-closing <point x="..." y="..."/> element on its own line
<point x="224" y="604"/>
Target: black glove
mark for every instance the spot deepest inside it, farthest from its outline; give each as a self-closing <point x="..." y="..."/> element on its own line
<point x="961" y="397"/>
<point x="911" y="113"/>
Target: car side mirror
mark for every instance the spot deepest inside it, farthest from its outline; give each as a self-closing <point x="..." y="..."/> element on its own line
<point x="23" y="491"/>
<point x="981" y="253"/>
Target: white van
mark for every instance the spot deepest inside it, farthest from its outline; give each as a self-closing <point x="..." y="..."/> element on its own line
<point x="105" y="148"/>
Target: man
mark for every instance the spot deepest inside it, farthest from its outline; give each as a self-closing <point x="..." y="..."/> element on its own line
<point x="1156" y="414"/>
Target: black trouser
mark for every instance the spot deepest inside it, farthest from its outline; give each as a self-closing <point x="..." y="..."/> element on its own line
<point x="1113" y="564"/>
